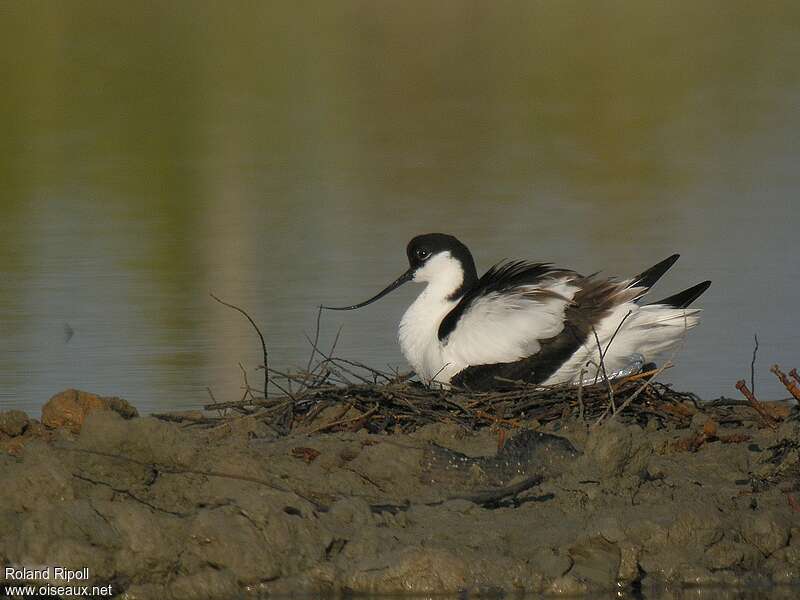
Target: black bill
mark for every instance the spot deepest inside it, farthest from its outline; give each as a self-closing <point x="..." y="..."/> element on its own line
<point x="407" y="276"/>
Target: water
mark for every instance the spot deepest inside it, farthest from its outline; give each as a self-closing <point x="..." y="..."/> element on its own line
<point x="282" y="156"/>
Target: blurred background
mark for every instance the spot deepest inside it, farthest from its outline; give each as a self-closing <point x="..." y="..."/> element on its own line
<point x="282" y="154"/>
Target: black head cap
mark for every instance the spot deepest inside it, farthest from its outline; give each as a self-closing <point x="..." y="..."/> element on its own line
<point x="423" y="247"/>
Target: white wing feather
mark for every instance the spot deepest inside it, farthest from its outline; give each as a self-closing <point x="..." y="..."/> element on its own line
<point x="509" y="326"/>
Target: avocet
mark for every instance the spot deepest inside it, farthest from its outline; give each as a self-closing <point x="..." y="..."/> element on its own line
<point x="528" y="321"/>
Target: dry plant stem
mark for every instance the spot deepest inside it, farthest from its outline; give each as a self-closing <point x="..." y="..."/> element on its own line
<point x="794" y="388"/>
<point x="244" y="403"/>
<point x="497" y="420"/>
<point x="753" y="365"/>
<point x="336" y="361"/>
<point x="339" y="422"/>
<point x="309" y="371"/>
<point x="247" y="390"/>
<point x="794" y="375"/>
<point x="636" y="394"/>
<point x="406" y="407"/>
<point x="580" y="394"/>
<point x="741" y="385"/>
<point x="666" y="365"/>
<point x="260" y="336"/>
<point x="603" y="352"/>
<point x="352" y="363"/>
<point x="614" y="335"/>
<point x="316" y="339"/>
<point x="646" y="374"/>
<point x="221" y="411"/>
<point x="603" y="368"/>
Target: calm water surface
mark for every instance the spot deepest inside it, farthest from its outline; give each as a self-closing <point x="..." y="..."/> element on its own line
<point x="282" y="156"/>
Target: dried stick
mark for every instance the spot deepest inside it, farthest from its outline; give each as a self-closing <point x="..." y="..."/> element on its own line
<point x="616" y="331"/>
<point x="794" y="389"/>
<point x="361" y="417"/>
<point x="741" y="385"/>
<point x="753" y="365"/>
<point x="314" y="344"/>
<point x="497" y="420"/>
<point x="260" y="336"/>
<point x="635" y="395"/>
<point x="603" y="368"/>
<point x="657" y="372"/>
<point x="580" y="393"/>
<point x="645" y="374"/>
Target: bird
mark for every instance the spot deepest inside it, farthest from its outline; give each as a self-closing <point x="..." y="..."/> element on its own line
<point x="529" y="322"/>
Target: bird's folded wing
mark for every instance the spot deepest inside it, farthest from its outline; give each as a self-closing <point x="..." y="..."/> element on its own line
<point x="511" y="309"/>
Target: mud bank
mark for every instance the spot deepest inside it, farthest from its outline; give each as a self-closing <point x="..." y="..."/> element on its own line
<point x="166" y="510"/>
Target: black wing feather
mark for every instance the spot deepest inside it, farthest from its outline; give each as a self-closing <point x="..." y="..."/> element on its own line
<point x="648" y="278"/>
<point x="502" y="277"/>
<point x="686" y="297"/>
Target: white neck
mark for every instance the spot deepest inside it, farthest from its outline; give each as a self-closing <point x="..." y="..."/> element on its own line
<point x="419" y="328"/>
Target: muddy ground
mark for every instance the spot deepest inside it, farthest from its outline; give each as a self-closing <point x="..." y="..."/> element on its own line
<point x="161" y="509"/>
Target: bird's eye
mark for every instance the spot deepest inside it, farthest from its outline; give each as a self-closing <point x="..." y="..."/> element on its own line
<point x="422" y="253"/>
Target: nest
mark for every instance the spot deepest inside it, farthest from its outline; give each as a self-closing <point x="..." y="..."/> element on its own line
<point x="336" y="394"/>
<point x="342" y="395"/>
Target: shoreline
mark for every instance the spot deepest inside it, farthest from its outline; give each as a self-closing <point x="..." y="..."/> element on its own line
<point x="179" y="508"/>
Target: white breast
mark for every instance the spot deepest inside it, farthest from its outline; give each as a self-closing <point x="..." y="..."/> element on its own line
<point x="419" y="328"/>
<point x="419" y="339"/>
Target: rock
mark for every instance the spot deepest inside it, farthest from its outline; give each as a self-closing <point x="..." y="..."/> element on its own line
<point x="68" y="409"/>
<point x="12" y="446"/>
<point x="766" y="532"/>
<point x="13" y="422"/>
<point x="122" y="407"/>
<point x="614" y="449"/>
<point x="595" y="562"/>
<point x="728" y="554"/>
<point x="207" y="583"/>
<point x="415" y="571"/>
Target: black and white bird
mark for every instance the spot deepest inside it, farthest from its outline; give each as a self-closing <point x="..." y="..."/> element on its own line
<point x="529" y="321"/>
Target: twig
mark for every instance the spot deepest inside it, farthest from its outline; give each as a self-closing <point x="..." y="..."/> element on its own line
<point x="242" y="404"/>
<point x="614" y="335"/>
<point x="315" y="342"/>
<point x="603" y="368"/>
<point x="260" y="336"/>
<point x="247" y="389"/>
<point x="790" y="385"/>
<point x="753" y="365"/>
<point x="433" y="379"/>
<point x="510" y="422"/>
<point x="636" y="394"/>
<point x="741" y="385"/>
<point x="214" y="401"/>
<point x="657" y="372"/>
<point x="335" y="341"/>
<point x="332" y="424"/>
<point x="645" y="374"/>
<point x="580" y="394"/>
